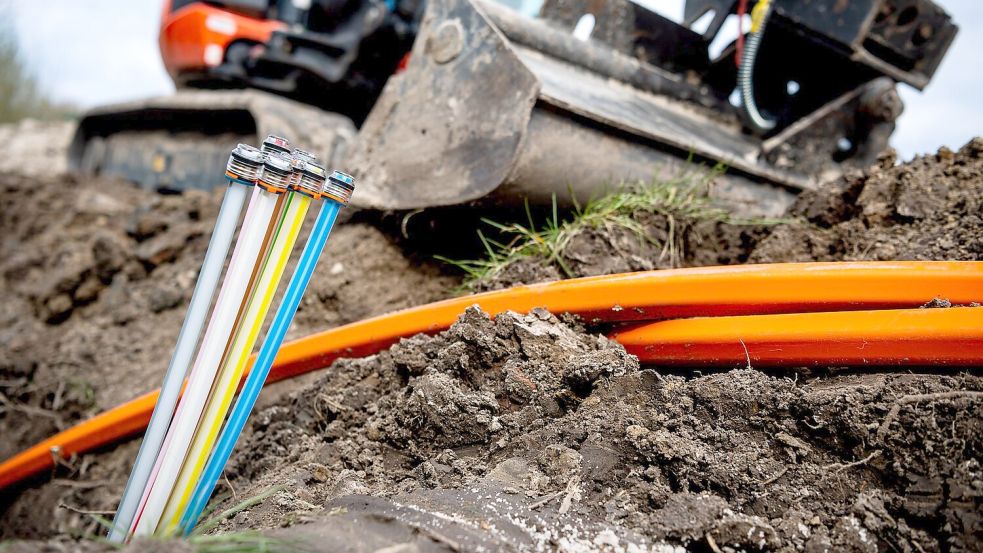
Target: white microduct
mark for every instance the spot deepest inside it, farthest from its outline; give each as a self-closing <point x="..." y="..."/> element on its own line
<point x="194" y="322"/>
<point x="246" y="254"/>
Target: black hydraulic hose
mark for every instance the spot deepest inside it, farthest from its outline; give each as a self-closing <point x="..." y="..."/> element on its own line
<point x="745" y="74"/>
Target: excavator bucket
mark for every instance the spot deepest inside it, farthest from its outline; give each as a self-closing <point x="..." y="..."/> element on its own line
<point x="494" y="104"/>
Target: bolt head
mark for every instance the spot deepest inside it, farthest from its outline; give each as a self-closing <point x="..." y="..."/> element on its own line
<point x="447" y="42"/>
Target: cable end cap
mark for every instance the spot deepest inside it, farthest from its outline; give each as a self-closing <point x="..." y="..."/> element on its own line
<point x="339" y="187"/>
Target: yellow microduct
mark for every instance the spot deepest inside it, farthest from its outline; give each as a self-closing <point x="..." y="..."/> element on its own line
<point x="235" y="361"/>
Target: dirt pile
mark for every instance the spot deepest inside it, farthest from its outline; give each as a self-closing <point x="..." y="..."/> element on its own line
<point x="530" y="433"/>
<point x="78" y="300"/>
<point x="610" y="250"/>
<point x="929" y="208"/>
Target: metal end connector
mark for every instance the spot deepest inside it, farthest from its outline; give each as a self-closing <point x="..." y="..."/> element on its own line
<point x="309" y="177"/>
<point x="275" y="144"/>
<point x="277" y="173"/>
<point x="304" y="155"/>
<point x="308" y="174"/>
<point x="339" y="187"/>
<point x="245" y="164"/>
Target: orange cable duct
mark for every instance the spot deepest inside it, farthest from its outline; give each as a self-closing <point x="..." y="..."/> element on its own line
<point x="898" y="337"/>
<point x="654" y="295"/>
<point x="657" y="295"/>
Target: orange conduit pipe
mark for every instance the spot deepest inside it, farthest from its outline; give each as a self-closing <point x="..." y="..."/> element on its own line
<point x="652" y="295"/>
<point x="900" y="337"/>
<point x="657" y="295"/>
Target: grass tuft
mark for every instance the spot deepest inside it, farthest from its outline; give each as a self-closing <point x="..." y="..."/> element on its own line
<point x="248" y="541"/>
<point x="230" y="512"/>
<point x="680" y="201"/>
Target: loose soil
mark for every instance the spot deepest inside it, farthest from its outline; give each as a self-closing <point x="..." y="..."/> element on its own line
<point x="523" y="433"/>
<point x="527" y="432"/>
<point x="606" y="251"/>
<point x="929" y="208"/>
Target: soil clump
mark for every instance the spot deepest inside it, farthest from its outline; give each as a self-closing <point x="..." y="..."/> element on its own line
<point x="930" y="208"/>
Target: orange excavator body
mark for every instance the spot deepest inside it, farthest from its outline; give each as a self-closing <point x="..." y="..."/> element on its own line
<point x="194" y="37"/>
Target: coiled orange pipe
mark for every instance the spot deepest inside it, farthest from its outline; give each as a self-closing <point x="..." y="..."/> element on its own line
<point x="731" y="292"/>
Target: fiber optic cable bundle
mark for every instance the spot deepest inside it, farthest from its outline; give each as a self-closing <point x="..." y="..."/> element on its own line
<point x="298" y="201"/>
<point x="178" y="441"/>
<point x="266" y="199"/>
<point x="337" y="192"/>
<point x="242" y="172"/>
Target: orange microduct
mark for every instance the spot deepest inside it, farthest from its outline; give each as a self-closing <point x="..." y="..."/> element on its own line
<point x="800" y="307"/>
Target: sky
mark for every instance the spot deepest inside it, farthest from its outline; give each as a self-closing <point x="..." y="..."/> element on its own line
<point x="92" y="52"/>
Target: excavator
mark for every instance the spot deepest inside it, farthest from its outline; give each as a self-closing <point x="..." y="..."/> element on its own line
<point x="450" y="102"/>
